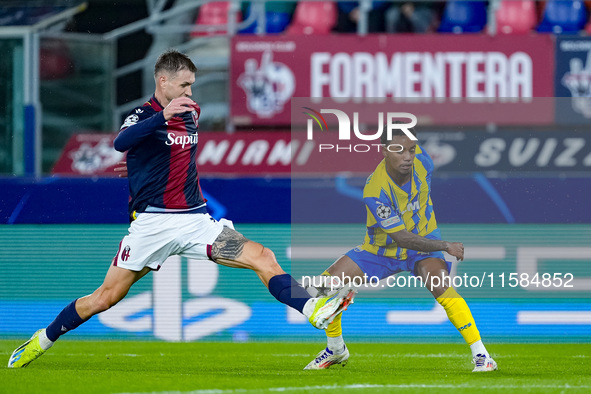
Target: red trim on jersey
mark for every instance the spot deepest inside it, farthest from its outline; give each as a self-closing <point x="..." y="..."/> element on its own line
<point x="155" y="104"/>
<point x="117" y="255"/>
<point x="197" y="170"/>
<point x="209" y="252"/>
<point x="174" y="193"/>
<point x="199" y="183"/>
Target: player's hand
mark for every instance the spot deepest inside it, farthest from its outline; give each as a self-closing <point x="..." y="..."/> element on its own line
<point x="121" y="169"/>
<point x="456" y="249"/>
<point x="178" y="106"/>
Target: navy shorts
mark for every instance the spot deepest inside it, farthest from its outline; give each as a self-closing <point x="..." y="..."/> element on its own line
<point x="382" y="266"/>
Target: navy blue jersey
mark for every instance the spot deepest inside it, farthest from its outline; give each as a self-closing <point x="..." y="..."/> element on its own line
<point x="162" y="170"/>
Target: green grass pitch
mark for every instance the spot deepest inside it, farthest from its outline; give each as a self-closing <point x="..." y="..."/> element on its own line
<point x="220" y="368"/>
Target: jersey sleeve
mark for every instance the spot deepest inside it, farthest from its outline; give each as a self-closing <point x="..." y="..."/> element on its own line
<point x="384" y="211"/>
<point x="427" y="162"/>
<point x="140" y="123"/>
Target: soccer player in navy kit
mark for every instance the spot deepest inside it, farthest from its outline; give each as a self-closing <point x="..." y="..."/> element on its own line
<point x="169" y="214"/>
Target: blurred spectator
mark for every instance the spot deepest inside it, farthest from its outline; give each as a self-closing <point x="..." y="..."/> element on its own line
<point x="349" y="17"/>
<point x="413" y="17"/>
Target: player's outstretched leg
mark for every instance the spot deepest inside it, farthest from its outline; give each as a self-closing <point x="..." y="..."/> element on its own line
<point x="234" y="250"/>
<point x="115" y="286"/>
<point x="460" y="316"/>
<point x="457" y="311"/>
<point x="336" y="352"/>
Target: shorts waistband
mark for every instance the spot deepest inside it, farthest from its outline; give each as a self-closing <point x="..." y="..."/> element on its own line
<point x="199" y="209"/>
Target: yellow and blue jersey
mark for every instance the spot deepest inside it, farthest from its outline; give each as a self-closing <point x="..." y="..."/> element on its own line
<point x="392" y="207"/>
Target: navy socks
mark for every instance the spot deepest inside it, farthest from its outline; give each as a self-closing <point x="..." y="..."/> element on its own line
<point x="68" y="319"/>
<point x="288" y="291"/>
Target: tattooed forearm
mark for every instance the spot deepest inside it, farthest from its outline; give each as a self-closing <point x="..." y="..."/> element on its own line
<point x="407" y="240"/>
<point x="228" y="245"/>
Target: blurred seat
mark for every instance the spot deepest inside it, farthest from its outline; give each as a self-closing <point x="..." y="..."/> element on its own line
<point x="516" y="16"/>
<point x="55" y="60"/>
<point x="588" y="27"/>
<point x="563" y="16"/>
<point x="278" y="15"/>
<point x="277" y="22"/>
<point x="314" y="17"/>
<point x="463" y="16"/>
<point x="213" y="13"/>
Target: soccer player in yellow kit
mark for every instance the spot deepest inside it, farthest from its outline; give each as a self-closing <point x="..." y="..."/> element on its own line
<point x="402" y="235"/>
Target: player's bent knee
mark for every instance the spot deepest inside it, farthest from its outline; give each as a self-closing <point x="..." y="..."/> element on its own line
<point x="107" y="299"/>
<point x="268" y="256"/>
<point x="266" y="261"/>
<point x="101" y="305"/>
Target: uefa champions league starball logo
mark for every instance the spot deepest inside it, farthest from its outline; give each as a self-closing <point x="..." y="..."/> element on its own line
<point x="383" y="212"/>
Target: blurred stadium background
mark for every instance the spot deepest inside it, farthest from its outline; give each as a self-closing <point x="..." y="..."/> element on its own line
<point x="513" y="187"/>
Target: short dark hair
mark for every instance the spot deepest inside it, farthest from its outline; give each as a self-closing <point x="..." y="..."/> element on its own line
<point x="172" y="61"/>
<point x="395" y="132"/>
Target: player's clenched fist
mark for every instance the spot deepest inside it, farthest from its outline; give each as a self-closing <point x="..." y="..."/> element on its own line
<point x="179" y="106"/>
<point x="456" y="249"/>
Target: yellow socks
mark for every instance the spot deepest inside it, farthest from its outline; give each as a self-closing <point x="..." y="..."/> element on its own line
<point x="334" y="332"/>
<point x="335" y="329"/>
<point x="459" y="314"/>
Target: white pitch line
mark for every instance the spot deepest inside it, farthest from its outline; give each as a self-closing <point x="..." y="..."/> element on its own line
<point x="416" y="355"/>
<point x="372" y="386"/>
<point x="392" y="355"/>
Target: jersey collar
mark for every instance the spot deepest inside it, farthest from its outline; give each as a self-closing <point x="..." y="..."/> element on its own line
<point x="155" y="104"/>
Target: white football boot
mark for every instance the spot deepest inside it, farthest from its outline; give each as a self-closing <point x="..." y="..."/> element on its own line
<point x="483" y="363"/>
<point x="326" y="358"/>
